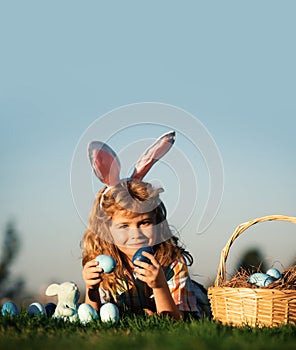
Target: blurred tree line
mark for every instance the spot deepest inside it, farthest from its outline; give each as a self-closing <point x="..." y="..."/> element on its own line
<point x="10" y="288"/>
<point x="252" y="261"/>
<point x="14" y="288"/>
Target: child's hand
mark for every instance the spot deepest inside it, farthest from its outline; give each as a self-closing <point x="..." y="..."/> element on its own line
<point x="152" y="274"/>
<point x="92" y="274"/>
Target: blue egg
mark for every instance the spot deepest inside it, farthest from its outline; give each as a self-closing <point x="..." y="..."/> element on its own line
<point x="257" y="278"/>
<point x="138" y="255"/>
<point x="274" y="273"/>
<point x="50" y="309"/>
<point x="106" y="262"/>
<point x="86" y="313"/>
<point x="36" y="309"/>
<point x="260" y="279"/>
<point x="10" y="308"/>
<point x="269" y="280"/>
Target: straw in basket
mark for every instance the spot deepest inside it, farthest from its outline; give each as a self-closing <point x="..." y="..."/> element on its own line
<point x="251" y="306"/>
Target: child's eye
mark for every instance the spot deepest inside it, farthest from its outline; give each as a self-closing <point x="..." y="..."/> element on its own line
<point x="122" y="227"/>
<point x="146" y="223"/>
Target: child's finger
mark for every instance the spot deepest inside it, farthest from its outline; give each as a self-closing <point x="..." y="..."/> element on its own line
<point x="92" y="273"/>
<point x="96" y="269"/>
<point x="93" y="282"/>
<point x="91" y="263"/>
<point x="90" y="266"/>
<point x="142" y="264"/>
<point x="140" y="275"/>
<point x="151" y="258"/>
<point x="140" y="271"/>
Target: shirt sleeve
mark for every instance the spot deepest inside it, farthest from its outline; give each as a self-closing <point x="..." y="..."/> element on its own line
<point x="177" y="276"/>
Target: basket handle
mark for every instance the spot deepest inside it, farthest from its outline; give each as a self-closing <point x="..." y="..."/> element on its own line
<point x="221" y="273"/>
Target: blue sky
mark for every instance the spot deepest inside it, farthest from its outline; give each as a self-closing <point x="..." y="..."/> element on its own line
<point x="64" y="64"/>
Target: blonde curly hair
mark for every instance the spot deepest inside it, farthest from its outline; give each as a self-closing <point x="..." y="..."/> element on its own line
<point x="128" y="198"/>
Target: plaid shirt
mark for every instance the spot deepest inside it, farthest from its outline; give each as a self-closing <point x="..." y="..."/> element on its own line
<point x="189" y="296"/>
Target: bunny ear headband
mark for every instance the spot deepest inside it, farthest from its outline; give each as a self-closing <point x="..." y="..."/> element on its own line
<point x="106" y="165"/>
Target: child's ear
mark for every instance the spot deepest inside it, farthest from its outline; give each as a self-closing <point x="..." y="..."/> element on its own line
<point x="52" y="289"/>
<point x="152" y="154"/>
<point x="104" y="162"/>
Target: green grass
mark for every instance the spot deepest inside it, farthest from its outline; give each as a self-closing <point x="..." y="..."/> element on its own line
<point x="143" y="333"/>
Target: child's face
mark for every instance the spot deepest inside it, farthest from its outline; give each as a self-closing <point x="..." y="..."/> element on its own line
<point x="132" y="233"/>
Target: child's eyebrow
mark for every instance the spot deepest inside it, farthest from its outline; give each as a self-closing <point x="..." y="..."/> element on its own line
<point x="122" y="223"/>
<point x="145" y="219"/>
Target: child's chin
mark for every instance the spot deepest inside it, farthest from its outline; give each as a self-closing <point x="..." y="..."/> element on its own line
<point x="128" y="250"/>
<point x="133" y="249"/>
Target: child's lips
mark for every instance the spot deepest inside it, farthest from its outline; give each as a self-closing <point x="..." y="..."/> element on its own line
<point x="138" y="244"/>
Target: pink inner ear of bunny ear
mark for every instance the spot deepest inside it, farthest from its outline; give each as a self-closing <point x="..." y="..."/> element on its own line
<point x="104" y="162"/>
<point x="152" y="154"/>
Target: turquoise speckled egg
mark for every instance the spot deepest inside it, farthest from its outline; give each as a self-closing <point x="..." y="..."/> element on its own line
<point x="10" y="308"/>
<point x="106" y="262"/>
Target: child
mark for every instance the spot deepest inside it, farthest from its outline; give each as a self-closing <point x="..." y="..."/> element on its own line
<point x="126" y="215"/>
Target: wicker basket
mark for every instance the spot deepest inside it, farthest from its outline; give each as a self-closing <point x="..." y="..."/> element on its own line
<point x="251" y="306"/>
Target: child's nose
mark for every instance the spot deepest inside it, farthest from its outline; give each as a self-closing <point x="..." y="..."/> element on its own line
<point x="136" y="232"/>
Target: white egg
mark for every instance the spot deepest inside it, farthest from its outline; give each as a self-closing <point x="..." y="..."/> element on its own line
<point x="10" y="308"/>
<point x="86" y="313"/>
<point x="36" y="309"/>
<point x="106" y="262"/>
<point x="274" y="273"/>
<point x="109" y="313"/>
